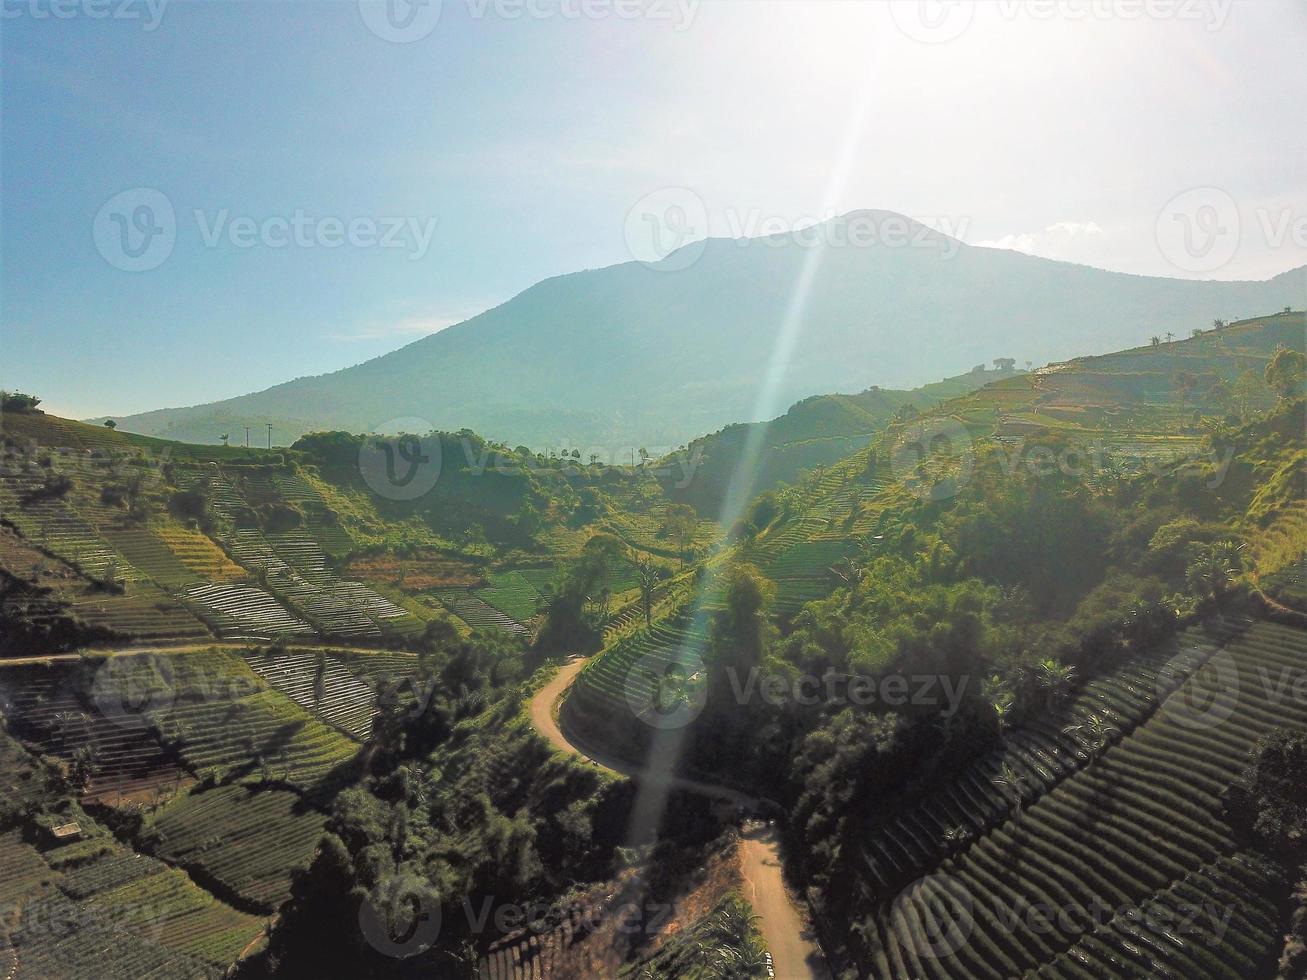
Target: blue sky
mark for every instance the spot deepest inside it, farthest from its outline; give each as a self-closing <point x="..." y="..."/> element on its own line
<point x="519" y="145"/>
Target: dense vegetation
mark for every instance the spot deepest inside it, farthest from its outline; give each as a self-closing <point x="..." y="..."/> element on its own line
<point x="976" y="661"/>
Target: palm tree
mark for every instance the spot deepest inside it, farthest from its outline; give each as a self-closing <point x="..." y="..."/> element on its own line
<point x="1012" y="785"/>
<point x="83" y="767"/>
<point x="1211" y="574"/>
<point x="1096" y="731"/>
<point x="955" y="837"/>
<point x="1054" y="680"/>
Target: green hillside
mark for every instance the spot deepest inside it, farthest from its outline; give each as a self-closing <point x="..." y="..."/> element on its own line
<point x="815" y="432"/>
<point x="1079" y="556"/>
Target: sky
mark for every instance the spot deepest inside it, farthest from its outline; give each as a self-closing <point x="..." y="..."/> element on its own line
<point x="202" y="199"/>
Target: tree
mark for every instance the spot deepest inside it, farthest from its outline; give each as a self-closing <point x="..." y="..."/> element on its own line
<point x="1004" y="364"/>
<point x="1155" y="341"/>
<point x="1185" y="383"/>
<point x="1012" y="785"/>
<point x="741" y="633"/>
<point x="1169" y="336"/>
<point x="1248" y="389"/>
<point x="110" y="424"/>
<point x="1054" y="680"/>
<point x="225" y="437"/>
<point x="1096" y="731"/>
<point x="1214" y="569"/>
<point x="17" y="402"/>
<point x="1286" y="371"/>
<point x="648" y="575"/>
<point x="681" y="522"/>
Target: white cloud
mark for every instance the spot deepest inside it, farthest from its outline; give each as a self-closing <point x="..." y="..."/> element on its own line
<point x="404" y="327"/>
<point x="1060" y="240"/>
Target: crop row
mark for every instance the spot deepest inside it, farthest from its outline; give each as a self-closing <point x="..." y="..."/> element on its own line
<point x="320" y="684"/>
<point x="477" y="613"/>
<point x="250" y="840"/>
<point x="1127" y="830"/>
<point x="1042" y="753"/>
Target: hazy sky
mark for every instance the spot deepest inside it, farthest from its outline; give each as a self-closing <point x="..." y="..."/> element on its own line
<point x="512" y="138"/>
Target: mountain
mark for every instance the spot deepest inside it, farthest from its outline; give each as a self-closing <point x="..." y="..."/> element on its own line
<point x="641" y="355"/>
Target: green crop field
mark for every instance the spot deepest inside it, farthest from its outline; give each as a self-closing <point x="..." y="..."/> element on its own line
<point x="1139" y="827"/>
<point x="248" y="840"/>
<point x="512" y="594"/>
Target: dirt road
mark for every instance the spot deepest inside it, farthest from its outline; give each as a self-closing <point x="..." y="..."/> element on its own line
<point x="795" y="956"/>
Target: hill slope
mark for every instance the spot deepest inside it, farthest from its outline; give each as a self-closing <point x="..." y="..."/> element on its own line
<point x="633" y="355"/>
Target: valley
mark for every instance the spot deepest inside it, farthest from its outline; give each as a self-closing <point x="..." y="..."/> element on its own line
<point x="265" y="690"/>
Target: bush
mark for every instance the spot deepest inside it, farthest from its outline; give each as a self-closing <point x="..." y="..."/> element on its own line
<point x="19" y="403"/>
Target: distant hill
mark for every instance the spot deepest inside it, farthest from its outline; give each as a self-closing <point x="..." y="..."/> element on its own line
<point x="815" y="432"/>
<point x="632" y="355"/>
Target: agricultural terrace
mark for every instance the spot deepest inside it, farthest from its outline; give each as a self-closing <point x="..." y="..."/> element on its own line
<point x="245" y="841"/>
<point x="95" y="908"/>
<point x="1137" y="826"/>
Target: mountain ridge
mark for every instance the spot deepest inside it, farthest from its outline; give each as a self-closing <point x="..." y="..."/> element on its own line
<point x="651" y="357"/>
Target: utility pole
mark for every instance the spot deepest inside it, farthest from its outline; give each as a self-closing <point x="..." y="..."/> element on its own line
<point x="247" y="437"/>
<point x="269" y="435"/>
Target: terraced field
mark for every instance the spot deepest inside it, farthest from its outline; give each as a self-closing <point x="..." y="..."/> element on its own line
<point x="1041" y="751"/>
<point x="112" y="913"/>
<point x="249" y="841"/>
<point x="47" y="709"/>
<point x="1139" y="828"/>
<point x="200" y="555"/>
<point x="802" y="572"/>
<point x="234" y="721"/>
<point x="243" y="610"/>
<point x="477" y="613"/>
<point x="1289" y="584"/>
<point x="150" y="555"/>
<point x="513" y="594"/>
<point x="321" y="684"/>
<point x="54" y="525"/>
<point x="626" y="674"/>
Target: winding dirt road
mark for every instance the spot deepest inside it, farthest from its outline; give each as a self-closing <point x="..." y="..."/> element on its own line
<point x="795" y="955"/>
